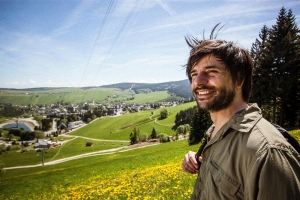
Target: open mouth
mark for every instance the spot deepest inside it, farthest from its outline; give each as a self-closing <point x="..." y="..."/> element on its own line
<point x="204" y="94"/>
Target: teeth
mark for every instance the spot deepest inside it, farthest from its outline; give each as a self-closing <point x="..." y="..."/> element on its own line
<point x="203" y="92"/>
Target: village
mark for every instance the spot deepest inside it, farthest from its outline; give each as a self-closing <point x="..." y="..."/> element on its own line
<point x="56" y="119"/>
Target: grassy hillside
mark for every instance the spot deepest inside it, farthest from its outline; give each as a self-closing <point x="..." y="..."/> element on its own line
<point x="152" y="172"/>
<point x="139" y="173"/>
<point x="73" y="95"/>
<point x="119" y="128"/>
<point x="100" y="129"/>
<point x="125" y="174"/>
<point x="69" y="95"/>
<point x="142" y="93"/>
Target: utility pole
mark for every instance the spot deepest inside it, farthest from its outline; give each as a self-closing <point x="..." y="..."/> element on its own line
<point x="43" y="156"/>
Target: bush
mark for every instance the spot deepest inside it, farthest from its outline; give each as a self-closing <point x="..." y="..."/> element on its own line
<point x="163" y="113"/>
<point x="143" y="137"/>
<point x="14" y="148"/>
<point x="163" y="138"/>
<point x="8" y="148"/>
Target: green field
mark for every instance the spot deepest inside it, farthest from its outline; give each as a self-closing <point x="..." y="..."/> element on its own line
<point x="77" y="95"/>
<point x="152" y="172"/>
<point x="77" y="179"/>
<point x="119" y="128"/>
<point x="143" y="172"/>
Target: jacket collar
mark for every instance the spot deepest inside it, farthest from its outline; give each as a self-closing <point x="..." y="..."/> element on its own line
<point x="242" y="121"/>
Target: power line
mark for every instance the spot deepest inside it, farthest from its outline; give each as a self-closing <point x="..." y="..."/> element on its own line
<point x="101" y="29"/>
<point x="118" y="35"/>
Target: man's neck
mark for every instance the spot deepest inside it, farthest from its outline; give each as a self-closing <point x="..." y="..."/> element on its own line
<point x="219" y="118"/>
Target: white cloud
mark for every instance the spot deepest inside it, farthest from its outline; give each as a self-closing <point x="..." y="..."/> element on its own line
<point x="166" y="7"/>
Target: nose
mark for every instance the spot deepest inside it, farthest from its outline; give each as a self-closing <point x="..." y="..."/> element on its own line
<point x="200" y="79"/>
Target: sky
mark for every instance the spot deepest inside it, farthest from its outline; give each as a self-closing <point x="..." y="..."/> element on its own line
<point x="73" y="43"/>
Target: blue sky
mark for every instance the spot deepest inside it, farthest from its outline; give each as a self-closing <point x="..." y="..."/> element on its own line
<point x="72" y="43"/>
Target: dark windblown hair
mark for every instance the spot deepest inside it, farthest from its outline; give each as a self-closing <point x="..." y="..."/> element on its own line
<point x="237" y="60"/>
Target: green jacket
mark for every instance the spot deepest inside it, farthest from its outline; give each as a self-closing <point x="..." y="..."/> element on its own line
<point x="248" y="159"/>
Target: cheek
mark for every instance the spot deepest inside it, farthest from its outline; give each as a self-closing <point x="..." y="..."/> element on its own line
<point x="192" y="85"/>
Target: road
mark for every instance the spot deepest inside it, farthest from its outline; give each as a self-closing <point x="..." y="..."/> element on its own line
<point x="96" y="153"/>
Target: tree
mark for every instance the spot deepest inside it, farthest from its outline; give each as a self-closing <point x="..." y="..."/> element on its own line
<point x="180" y="129"/>
<point x="134" y="136"/>
<point x="184" y="117"/>
<point x="200" y="123"/>
<point x="27" y="135"/>
<point x="163" y="113"/>
<point x="153" y="134"/>
<point x="284" y="40"/>
<point x="187" y="129"/>
<point x="261" y="74"/>
<point x="39" y="135"/>
<point x="276" y="56"/>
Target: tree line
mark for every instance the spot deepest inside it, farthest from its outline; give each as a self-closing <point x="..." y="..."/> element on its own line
<point x="276" y="56"/>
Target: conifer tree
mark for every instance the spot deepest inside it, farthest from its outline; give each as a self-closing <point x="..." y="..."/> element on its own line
<point x="153" y="134"/>
<point x="276" y="76"/>
<point x="200" y="123"/>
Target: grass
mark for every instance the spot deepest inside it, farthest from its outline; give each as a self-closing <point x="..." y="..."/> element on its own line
<point x="119" y="128"/>
<point x="149" y="171"/>
<point x="99" y="129"/>
<point x="295" y="132"/>
<point x="153" y="172"/>
<point x="77" y="95"/>
<point x="72" y="148"/>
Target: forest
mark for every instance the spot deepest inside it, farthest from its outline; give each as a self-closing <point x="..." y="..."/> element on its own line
<point x="276" y="55"/>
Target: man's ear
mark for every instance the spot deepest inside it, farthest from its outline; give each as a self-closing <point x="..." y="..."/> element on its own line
<point x="240" y="81"/>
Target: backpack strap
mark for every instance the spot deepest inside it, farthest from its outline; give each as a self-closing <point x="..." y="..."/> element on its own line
<point x="290" y="138"/>
<point x="198" y="154"/>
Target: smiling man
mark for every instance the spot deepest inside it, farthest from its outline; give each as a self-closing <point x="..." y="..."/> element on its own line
<point x="245" y="157"/>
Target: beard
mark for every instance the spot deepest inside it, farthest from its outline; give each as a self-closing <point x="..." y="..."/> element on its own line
<point x="221" y="101"/>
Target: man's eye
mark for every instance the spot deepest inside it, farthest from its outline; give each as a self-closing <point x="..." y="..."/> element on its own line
<point x="193" y="74"/>
<point x="212" y="71"/>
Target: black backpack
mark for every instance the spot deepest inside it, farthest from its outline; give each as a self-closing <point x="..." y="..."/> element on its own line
<point x="284" y="133"/>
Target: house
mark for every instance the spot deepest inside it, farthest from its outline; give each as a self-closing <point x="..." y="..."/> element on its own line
<point x="42" y="145"/>
<point x="75" y="124"/>
<point x="61" y="126"/>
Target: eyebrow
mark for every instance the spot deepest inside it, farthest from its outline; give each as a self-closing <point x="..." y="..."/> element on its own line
<point x="214" y="67"/>
<point x="210" y="67"/>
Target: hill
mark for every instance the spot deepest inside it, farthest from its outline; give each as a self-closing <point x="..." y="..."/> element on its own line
<point x="145" y="92"/>
<point x="179" y="88"/>
<point x="157" y="166"/>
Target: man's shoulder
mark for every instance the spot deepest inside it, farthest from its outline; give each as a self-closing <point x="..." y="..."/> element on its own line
<point x="265" y="136"/>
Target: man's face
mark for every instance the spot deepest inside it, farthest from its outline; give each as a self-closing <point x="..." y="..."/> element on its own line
<point x="212" y="85"/>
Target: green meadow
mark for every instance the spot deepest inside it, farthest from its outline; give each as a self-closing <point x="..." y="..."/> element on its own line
<point x="77" y="95"/>
<point x="145" y="172"/>
<point x="110" y="168"/>
<point x="119" y="128"/>
<point x="111" y="157"/>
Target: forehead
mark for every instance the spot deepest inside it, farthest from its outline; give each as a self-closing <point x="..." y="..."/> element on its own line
<point x="209" y="61"/>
